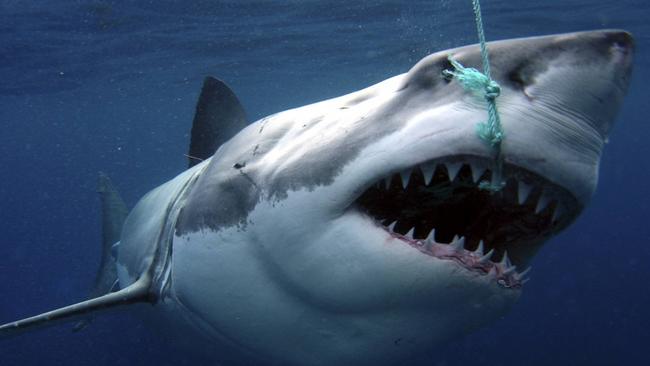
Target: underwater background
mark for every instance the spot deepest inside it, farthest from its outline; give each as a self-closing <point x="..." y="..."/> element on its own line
<point x="89" y="86"/>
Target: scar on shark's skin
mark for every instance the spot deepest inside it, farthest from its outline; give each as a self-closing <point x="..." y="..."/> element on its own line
<point x="353" y="231"/>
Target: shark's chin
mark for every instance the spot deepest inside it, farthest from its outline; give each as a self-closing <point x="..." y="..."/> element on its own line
<point x="440" y="208"/>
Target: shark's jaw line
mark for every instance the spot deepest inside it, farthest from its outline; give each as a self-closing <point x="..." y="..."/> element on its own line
<point x="504" y="273"/>
<point x="438" y="208"/>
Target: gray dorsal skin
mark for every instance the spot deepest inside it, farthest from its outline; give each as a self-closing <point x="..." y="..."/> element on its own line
<point x="219" y="116"/>
<point x="114" y="212"/>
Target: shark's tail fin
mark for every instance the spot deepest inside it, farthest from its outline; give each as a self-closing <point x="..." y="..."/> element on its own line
<point x="102" y="296"/>
<point x="114" y="214"/>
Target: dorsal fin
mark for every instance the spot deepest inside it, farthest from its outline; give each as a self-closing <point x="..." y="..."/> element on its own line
<point x="219" y="116"/>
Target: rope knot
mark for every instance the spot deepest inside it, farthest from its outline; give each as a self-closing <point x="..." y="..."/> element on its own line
<point x="481" y="83"/>
<point x="489" y="131"/>
<point x="473" y="80"/>
<point x="492" y="90"/>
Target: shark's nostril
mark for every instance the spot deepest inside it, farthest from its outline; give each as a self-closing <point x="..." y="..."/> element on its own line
<point x="621" y="40"/>
<point x="620" y="44"/>
<point x="620" y="49"/>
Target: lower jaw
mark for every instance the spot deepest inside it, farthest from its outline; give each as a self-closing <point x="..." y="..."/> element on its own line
<point x="503" y="273"/>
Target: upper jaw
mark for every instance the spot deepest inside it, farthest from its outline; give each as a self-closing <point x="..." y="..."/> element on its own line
<point x="560" y="95"/>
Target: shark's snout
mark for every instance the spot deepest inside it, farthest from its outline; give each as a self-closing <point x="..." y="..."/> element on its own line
<point x="582" y="49"/>
<point x="606" y="42"/>
<point x="583" y="74"/>
<point x="621" y="45"/>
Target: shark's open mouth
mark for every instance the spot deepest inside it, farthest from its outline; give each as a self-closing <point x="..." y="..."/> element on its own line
<point x="438" y="208"/>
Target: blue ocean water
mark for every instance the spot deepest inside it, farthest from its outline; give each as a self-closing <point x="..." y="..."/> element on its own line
<point x="111" y="86"/>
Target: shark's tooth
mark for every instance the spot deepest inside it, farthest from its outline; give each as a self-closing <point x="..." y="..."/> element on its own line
<point x="431" y="238"/>
<point x="453" y="169"/>
<point x="457" y="244"/>
<point x="523" y="192"/>
<point x="558" y="212"/>
<point x="391" y="227"/>
<point x="409" y="235"/>
<point x="510" y="270"/>
<point x="486" y="257"/>
<point x="406" y="176"/>
<point x="427" y="171"/>
<point x="505" y="261"/>
<point x="521" y="274"/>
<point x="477" y="172"/>
<point x="542" y="203"/>
<point x="492" y="271"/>
<point x="479" y="250"/>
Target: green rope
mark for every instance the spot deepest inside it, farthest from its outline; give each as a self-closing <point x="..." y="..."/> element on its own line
<point x="481" y="83"/>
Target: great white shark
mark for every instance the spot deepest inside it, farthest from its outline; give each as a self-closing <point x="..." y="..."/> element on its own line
<point x="353" y="231"/>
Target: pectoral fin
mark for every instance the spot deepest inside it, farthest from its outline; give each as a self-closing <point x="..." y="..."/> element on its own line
<point x="135" y="293"/>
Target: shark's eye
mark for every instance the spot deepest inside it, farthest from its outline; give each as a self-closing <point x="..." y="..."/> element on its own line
<point x="520" y="78"/>
<point x="517" y="79"/>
